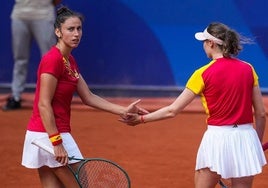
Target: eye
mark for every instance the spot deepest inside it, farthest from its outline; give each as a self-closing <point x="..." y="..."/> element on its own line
<point x="71" y="28"/>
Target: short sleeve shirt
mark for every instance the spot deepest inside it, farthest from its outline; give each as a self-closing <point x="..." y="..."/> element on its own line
<point x="67" y="77"/>
<point x="226" y="89"/>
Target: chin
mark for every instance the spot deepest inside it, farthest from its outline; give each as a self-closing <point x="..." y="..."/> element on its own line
<point x="74" y="45"/>
<point x="209" y="56"/>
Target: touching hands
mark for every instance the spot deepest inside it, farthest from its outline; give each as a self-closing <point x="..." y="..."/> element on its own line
<point x="133" y="114"/>
<point x="134" y="119"/>
<point x="132" y="108"/>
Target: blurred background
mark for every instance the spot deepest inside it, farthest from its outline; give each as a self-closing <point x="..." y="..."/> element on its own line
<point x="147" y="47"/>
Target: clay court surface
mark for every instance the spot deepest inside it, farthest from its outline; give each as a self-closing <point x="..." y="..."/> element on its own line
<point x="155" y="155"/>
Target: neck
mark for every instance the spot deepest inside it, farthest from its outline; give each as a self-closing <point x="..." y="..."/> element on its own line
<point x="63" y="50"/>
<point x="217" y="55"/>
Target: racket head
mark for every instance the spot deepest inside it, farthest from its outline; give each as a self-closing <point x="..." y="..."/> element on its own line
<point x="99" y="173"/>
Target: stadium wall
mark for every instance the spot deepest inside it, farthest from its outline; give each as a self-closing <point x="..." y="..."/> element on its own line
<point x="148" y="44"/>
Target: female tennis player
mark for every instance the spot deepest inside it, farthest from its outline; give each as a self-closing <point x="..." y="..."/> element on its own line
<point x="231" y="145"/>
<point x="58" y="79"/>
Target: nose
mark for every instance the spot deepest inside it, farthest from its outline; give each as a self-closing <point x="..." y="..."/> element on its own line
<point x="76" y="32"/>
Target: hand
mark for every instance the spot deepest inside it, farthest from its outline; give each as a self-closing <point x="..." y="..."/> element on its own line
<point x="132" y="119"/>
<point x="61" y="155"/>
<point x="132" y="108"/>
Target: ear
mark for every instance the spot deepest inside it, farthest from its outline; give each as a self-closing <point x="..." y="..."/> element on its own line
<point x="211" y="43"/>
<point x="58" y="32"/>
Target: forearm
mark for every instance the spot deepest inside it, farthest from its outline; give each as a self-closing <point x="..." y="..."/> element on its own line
<point x="161" y="114"/>
<point x="259" y="112"/>
<point x="103" y="104"/>
<point x="48" y="119"/>
<point x="173" y="109"/>
<point x="260" y="122"/>
<point x="92" y="100"/>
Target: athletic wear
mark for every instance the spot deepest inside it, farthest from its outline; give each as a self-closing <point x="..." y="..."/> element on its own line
<point x="230" y="146"/>
<point x="12" y="104"/>
<point x="221" y="81"/>
<point x="67" y="77"/>
<point x="33" y="10"/>
<point x="53" y="63"/>
<point x="35" y="157"/>
<point x="231" y="151"/>
<point x="30" y="19"/>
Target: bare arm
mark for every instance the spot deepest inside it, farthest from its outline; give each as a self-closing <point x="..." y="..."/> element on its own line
<point x="47" y="89"/>
<point x="259" y="112"/>
<point x="90" y="99"/>
<point x="169" y="111"/>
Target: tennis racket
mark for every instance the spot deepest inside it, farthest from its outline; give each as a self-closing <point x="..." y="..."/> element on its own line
<point x="227" y="182"/>
<point x="94" y="172"/>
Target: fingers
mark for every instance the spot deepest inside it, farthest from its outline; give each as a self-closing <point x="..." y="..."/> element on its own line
<point x="128" y="122"/>
<point x="135" y="109"/>
<point x="142" y="111"/>
<point x="132" y="115"/>
<point x="131" y="119"/>
<point x="61" y="155"/>
<point x="135" y="102"/>
<point x="62" y="159"/>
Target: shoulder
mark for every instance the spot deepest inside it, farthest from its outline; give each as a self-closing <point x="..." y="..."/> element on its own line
<point x="201" y="69"/>
<point x="52" y="55"/>
<point x="52" y="62"/>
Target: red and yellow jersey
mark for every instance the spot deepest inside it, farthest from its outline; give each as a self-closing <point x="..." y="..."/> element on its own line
<point x="225" y="86"/>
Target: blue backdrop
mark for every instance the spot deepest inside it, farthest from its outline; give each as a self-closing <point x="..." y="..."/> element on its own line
<point x="146" y="43"/>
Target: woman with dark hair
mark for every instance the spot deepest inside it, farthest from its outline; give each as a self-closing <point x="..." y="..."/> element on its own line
<point x="58" y="79"/>
<point x="229" y="88"/>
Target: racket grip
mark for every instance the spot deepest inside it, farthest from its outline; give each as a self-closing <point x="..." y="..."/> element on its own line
<point x="265" y="146"/>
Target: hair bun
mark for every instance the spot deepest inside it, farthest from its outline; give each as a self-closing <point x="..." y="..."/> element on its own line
<point x="62" y="10"/>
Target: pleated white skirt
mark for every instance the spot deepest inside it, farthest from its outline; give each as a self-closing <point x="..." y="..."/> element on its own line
<point x="35" y="157"/>
<point x="231" y="151"/>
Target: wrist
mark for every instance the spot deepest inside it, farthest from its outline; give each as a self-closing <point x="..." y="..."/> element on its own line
<point x="55" y="139"/>
<point x="142" y="119"/>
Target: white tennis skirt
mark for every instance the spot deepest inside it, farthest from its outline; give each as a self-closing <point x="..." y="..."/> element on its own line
<point x="231" y="152"/>
<point x="35" y="157"/>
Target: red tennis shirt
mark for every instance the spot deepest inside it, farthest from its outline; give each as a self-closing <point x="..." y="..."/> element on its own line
<point x="67" y="76"/>
<point x="226" y="87"/>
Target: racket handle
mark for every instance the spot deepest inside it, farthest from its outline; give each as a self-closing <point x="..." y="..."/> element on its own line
<point x="44" y="144"/>
<point x="265" y="146"/>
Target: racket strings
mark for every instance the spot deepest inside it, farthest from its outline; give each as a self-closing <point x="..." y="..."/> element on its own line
<point x="102" y="174"/>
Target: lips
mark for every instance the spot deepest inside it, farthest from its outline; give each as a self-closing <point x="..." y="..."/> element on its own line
<point x="76" y="41"/>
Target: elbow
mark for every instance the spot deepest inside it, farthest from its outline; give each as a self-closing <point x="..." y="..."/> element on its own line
<point x="261" y="114"/>
<point x="42" y="106"/>
<point x="171" y="113"/>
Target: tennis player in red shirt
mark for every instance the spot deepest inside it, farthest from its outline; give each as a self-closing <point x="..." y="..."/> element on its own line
<point x="229" y="89"/>
<point x="58" y="79"/>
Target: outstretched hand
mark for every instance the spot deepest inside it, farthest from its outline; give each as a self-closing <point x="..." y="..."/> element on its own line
<point x="133" y="111"/>
<point x="132" y="119"/>
<point x="132" y="108"/>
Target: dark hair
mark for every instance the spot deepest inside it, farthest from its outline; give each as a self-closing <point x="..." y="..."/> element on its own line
<point x="64" y="13"/>
<point x="232" y="41"/>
